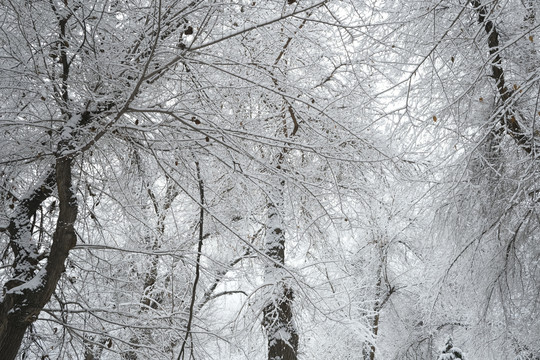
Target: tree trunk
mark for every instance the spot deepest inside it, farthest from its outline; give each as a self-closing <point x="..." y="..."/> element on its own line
<point x="277" y="314"/>
<point x="510" y="116"/>
<point x="281" y="331"/>
<point x="27" y="293"/>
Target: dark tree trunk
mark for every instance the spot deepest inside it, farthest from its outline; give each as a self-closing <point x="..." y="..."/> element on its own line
<point x="11" y="335"/>
<point x="278" y="315"/>
<point x="28" y="292"/>
<point x="510" y="116"/>
<point x="278" y="319"/>
<point x="281" y="331"/>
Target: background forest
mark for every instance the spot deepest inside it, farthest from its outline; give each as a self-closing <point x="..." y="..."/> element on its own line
<point x="281" y="180"/>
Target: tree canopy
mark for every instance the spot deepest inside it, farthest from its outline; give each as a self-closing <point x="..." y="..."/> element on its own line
<point x="280" y="180"/>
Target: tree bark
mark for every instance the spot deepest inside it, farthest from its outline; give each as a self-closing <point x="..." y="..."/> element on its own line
<point x="510" y="116"/>
<point x="277" y="314"/>
<point x="28" y="292"/>
<point x="281" y="331"/>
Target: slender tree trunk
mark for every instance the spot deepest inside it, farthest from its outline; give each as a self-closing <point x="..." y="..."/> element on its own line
<point x="278" y="315"/>
<point x="149" y="299"/>
<point x="278" y="321"/>
<point x="510" y="117"/>
<point x="383" y="291"/>
<point x="370" y="349"/>
<point x="192" y="306"/>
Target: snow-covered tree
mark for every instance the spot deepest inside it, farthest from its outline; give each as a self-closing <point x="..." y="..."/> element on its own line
<point x="450" y="352"/>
